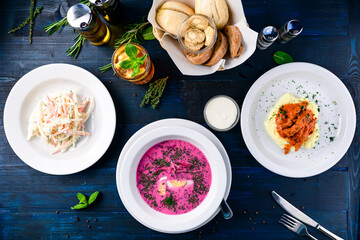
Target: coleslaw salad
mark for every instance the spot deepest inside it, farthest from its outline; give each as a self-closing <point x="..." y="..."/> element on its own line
<point x="59" y="120"/>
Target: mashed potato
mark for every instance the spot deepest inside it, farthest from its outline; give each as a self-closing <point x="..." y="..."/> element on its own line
<point x="270" y="123"/>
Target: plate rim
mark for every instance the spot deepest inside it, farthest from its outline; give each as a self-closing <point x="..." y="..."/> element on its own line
<point x="18" y="87"/>
<point x="269" y="75"/>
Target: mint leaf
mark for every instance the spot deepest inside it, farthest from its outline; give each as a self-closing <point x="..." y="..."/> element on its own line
<point x="136" y="71"/>
<point x="141" y="60"/>
<point x="147" y="33"/>
<point x="80" y="206"/>
<point x="93" y="197"/>
<point x="282" y="57"/>
<point x="134" y="62"/>
<point x="81" y="198"/>
<point x="127" y="64"/>
<point x="131" y="51"/>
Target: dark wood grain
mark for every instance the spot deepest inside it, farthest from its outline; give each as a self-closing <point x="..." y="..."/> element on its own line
<point x="353" y="84"/>
<point x="29" y="199"/>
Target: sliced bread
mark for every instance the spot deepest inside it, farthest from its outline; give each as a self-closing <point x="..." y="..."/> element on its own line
<point x="220" y="49"/>
<point x="240" y="51"/>
<point x="233" y="35"/>
<point x="198" y="59"/>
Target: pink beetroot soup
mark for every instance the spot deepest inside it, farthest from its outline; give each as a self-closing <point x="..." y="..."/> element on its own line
<point x="173" y="177"/>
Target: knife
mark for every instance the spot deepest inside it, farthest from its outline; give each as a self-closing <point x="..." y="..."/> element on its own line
<point x="302" y="216"/>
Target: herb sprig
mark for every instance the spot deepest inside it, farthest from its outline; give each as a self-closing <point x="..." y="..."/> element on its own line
<point x="154" y="93"/>
<point x="54" y="27"/>
<point x="83" y="202"/>
<point x="105" y="68"/>
<point x="32" y="6"/>
<point x="137" y="33"/>
<point x="26" y="21"/>
<point x="75" y="49"/>
<point x="29" y="19"/>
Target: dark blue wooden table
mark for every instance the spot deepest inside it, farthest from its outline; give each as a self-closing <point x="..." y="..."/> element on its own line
<point x="29" y="199"/>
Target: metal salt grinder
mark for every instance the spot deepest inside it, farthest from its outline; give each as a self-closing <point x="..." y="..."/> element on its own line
<point x="109" y="9"/>
<point x="290" y="30"/>
<point x="88" y="24"/>
<point x="266" y="37"/>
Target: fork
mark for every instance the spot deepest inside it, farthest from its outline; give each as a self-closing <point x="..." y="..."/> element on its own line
<point x="295" y="226"/>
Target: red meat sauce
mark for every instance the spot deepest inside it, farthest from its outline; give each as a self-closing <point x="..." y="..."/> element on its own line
<point x="295" y="122"/>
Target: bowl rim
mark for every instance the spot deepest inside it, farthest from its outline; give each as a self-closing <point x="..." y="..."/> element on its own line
<point x="151" y="218"/>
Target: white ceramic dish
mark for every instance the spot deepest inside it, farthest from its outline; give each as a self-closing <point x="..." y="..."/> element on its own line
<point x="130" y="196"/>
<point x="49" y="79"/>
<point x="176" y="52"/>
<point x="180" y="123"/>
<point x="337" y="118"/>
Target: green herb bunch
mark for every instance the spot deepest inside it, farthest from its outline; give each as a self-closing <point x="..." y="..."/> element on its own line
<point x="29" y="19"/>
<point x="154" y="93"/>
<point x="83" y="202"/>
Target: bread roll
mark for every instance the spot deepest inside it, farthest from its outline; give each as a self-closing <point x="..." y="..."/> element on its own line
<point x="233" y="35"/>
<point x="220" y="49"/>
<point x="198" y="59"/>
<point x="217" y="10"/>
<point x="171" y="14"/>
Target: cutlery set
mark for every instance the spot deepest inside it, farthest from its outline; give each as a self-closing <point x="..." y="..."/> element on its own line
<point x="295" y="222"/>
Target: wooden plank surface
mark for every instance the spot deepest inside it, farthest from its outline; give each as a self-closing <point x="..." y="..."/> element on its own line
<point x="29" y="199"/>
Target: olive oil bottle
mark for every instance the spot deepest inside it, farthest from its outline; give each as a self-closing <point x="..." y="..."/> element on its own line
<point x="87" y="23"/>
<point x="109" y="9"/>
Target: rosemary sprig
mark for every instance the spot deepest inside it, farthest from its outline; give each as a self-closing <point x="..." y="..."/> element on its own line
<point x="105" y="68"/>
<point x="133" y="34"/>
<point x="75" y="49"/>
<point x="154" y="93"/>
<point x="54" y="27"/>
<point x="26" y="21"/>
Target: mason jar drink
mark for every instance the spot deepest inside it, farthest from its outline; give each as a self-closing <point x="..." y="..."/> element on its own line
<point x="132" y="63"/>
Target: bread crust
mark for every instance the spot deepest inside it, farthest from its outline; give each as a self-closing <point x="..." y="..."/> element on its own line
<point x="220" y="48"/>
<point x="171" y="14"/>
<point x="198" y="59"/>
<point x="178" y="6"/>
<point x="240" y="51"/>
<point x="233" y="35"/>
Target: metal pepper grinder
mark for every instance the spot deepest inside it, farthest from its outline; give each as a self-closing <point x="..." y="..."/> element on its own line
<point x="290" y="30"/>
<point x="266" y="37"/>
<point x="88" y="24"/>
<point x="109" y="9"/>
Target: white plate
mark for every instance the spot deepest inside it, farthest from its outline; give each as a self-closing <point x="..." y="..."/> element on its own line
<point x="155" y="224"/>
<point x="49" y="79"/>
<point x="337" y="118"/>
